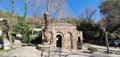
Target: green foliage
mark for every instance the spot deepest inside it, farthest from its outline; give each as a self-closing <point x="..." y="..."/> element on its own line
<point x="92" y="49"/>
<point x="114" y="31"/>
<point x="117" y="33"/>
<point x="111" y="36"/>
<point x="1" y="40"/>
<point x="31" y="39"/>
<point x="4" y="14"/>
<point x="26" y="33"/>
<point x="15" y="28"/>
<point x="23" y="29"/>
<point x="110" y="9"/>
<point x="79" y="45"/>
<point x="2" y="50"/>
<point x="13" y="38"/>
<point x="90" y="29"/>
<point x="40" y="34"/>
<point x="93" y="34"/>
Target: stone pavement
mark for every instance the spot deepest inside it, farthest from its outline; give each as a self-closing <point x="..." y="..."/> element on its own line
<point x="31" y="51"/>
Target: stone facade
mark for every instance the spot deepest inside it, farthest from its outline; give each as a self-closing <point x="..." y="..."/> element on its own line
<point x="63" y="35"/>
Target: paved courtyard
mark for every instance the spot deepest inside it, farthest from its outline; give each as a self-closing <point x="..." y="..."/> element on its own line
<point x="31" y="51"/>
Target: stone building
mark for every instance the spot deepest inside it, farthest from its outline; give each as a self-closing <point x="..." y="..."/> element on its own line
<point x="64" y="35"/>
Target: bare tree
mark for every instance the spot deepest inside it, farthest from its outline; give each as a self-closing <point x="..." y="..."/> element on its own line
<point x="103" y="24"/>
<point x="26" y="8"/>
<point x="36" y="7"/>
<point x="87" y="13"/>
<point x="46" y="17"/>
<point x="59" y="9"/>
<point x="13" y="5"/>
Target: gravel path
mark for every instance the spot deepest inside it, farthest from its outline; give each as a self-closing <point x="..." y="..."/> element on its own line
<point x="31" y="51"/>
<point x="26" y="51"/>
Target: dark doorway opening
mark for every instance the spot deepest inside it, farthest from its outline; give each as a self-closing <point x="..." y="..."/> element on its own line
<point x="59" y="40"/>
<point x="78" y="39"/>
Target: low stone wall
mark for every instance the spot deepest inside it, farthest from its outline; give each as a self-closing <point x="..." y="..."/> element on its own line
<point x="45" y="47"/>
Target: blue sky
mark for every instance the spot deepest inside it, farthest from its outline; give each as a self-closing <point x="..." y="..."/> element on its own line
<point x="79" y="5"/>
<point x="76" y="7"/>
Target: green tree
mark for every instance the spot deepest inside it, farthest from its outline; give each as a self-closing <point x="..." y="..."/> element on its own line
<point x="89" y="28"/>
<point x="110" y="9"/>
<point x="23" y="28"/>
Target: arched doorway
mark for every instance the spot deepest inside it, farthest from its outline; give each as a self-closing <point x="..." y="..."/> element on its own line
<point x="78" y="39"/>
<point x="58" y="40"/>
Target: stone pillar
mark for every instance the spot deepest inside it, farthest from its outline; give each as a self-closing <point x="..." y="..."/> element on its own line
<point x="81" y="37"/>
<point x="6" y="43"/>
<point x="74" y="41"/>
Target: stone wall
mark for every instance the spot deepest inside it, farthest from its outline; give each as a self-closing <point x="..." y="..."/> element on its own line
<point x="68" y="33"/>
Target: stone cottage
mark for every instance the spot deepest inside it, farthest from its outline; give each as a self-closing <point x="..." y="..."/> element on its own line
<point x="64" y="35"/>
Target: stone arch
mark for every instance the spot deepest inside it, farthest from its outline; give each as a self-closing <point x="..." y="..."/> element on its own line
<point x="60" y="34"/>
<point x="59" y="38"/>
<point x="71" y="40"/>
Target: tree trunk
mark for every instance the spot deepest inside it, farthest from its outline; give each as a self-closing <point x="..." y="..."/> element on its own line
<point x="10" y="39"/>
<point x="107" y="42"/>
<point x="25" y="9"/>
<point x="47" y="20"/>
<point x="12" y="8"/>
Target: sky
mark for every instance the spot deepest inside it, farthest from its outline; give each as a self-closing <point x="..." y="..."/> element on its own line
<point x="76" y="6"/>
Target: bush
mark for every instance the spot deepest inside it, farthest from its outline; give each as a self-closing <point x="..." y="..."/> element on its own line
<point x="1" y="40"/>
<point x="92" y="49"/>
<point x="13" y="37"/>
<point x="40" y="34"/>
<point x="79" y="45"/>
<point x="25" y="38"/>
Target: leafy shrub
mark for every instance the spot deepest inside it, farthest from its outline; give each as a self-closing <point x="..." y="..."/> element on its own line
<point x="92" y="49"/>
<point x="13" y="37"/>
<point x="24" y="39"/>
<point x="26" y="33"/>
<point x="40" y="34"/>
<point x="1" y="40"/>
<point x="79" y="45"/>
